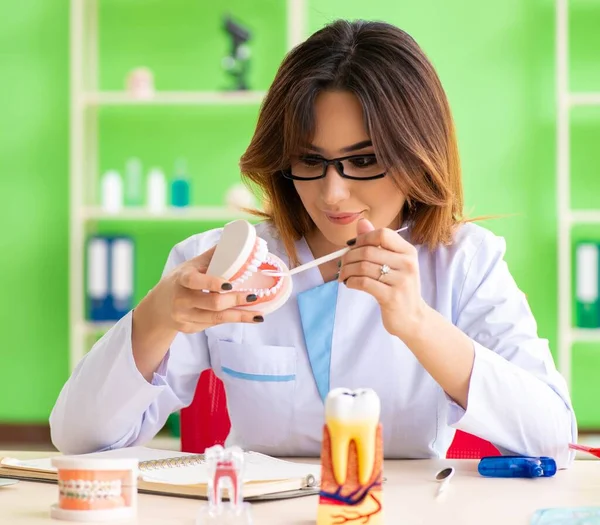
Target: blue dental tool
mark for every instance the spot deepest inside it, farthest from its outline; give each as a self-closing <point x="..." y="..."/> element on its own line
<point x="517" y="467"/>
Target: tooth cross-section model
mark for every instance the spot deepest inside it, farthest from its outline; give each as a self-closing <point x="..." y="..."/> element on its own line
<point x="225" y="471"/>
<point x="239" y="254"/>
<point x="351" y="459"/>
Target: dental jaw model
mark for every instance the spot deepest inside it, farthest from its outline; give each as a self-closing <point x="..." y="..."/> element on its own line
<point x="351" y="459"/>
<point x="239" y="256"/>
<point x="225" y="471"/>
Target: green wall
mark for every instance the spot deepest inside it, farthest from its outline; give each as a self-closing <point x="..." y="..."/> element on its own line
<point x="497" y="66"/>
<point x="34" y="212"/>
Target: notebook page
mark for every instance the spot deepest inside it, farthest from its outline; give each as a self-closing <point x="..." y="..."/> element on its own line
<point x="38" y="464"/>
<point x="139" y="453"/>
<point x="257" y="467"/>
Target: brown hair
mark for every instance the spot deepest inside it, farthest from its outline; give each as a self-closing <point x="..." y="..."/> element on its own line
<point x="407" y="115"/>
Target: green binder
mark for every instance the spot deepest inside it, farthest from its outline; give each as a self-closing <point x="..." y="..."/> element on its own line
<point x="587" y="285"/>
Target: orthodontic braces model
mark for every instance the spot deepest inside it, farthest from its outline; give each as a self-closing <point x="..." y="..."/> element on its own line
<point x="90" y="490"/>
<point x="93" y="489"/>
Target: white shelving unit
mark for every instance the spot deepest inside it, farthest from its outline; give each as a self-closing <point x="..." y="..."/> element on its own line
<point x="567" y="217"/>
<point x="85" y="101"/>
<point x="172" y="98"/>
<point x="192" y="213"/>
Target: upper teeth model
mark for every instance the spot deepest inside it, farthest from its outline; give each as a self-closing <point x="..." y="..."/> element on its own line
<point x="237" y="258"/>
<point x="352" y="415"/>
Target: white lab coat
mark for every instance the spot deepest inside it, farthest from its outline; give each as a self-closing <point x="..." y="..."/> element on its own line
<point x="517" y="399"/>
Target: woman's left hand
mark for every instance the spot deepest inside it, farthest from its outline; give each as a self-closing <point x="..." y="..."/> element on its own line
<point x="398" y="292"/>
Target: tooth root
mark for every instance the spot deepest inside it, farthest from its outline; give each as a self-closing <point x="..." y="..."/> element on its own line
<point x="339" y="443"/>
<point x="365" y="451"/>
<point x="364" y="436"/>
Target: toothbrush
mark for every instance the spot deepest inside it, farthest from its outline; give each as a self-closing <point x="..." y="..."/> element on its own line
<point x="315" y="262"/>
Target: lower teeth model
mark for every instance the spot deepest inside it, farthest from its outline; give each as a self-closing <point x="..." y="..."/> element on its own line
<point x="239" y="256"/>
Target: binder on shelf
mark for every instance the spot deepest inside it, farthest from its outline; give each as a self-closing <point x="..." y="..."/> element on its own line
<point x="586" y="290"/>
<point x="110" y="262"/>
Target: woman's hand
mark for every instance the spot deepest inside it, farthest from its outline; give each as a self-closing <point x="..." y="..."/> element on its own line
<point x="184" y="300"/>
<point x="398" y="292"/>
<point x="189" y="301"/>
<point x="443" y="350"/>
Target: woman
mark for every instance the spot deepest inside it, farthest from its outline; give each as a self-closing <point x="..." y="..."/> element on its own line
<point x="354" y="140"/>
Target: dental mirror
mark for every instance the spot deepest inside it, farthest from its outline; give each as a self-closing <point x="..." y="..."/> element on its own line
<point x="443" y="477"/>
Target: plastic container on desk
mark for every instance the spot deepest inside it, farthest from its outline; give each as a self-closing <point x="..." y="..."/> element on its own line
<point x="517" y="467"/>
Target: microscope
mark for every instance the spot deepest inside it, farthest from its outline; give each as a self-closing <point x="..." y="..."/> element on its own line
<point x="237" y="62"/>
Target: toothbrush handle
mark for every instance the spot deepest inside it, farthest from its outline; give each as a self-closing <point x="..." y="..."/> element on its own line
<point x="319" y="261"/>
<point x="326" y="258"/>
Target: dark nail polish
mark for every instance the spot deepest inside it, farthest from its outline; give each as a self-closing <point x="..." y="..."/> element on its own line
<point x="339" y="264"/>
<point x="251" y="297"/>
<point x="226" y="286"/>
<point x="351" y="242"/>
<point x="258" y="318"/>
<point x="345" y="281"/>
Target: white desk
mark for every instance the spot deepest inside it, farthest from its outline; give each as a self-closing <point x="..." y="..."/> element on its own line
<point x="408" y="498"/>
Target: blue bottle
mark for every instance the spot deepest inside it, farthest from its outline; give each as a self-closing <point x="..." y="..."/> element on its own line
<point x="180" y="186"/>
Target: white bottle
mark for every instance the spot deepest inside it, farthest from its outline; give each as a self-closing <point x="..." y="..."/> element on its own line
<point x="157" y="191"/>
<point x="111" y="192"/>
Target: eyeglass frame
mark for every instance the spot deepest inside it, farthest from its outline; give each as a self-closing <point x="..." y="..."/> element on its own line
<point x="337" y="164"/>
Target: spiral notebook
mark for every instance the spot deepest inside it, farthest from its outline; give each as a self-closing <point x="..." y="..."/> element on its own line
<point x="182" y="474"/>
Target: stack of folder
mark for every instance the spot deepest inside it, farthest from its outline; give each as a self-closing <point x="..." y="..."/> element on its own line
<point x="110" y="269"/>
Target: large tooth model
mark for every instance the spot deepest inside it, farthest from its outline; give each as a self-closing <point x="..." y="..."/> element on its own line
<point x="351" y="459"/>
<point x="239" y="256"/>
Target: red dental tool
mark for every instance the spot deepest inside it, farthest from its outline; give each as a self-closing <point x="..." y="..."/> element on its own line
<point x="594" y="451"/>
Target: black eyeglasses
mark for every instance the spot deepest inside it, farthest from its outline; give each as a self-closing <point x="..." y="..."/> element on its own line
<point x="355" y="167"/>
